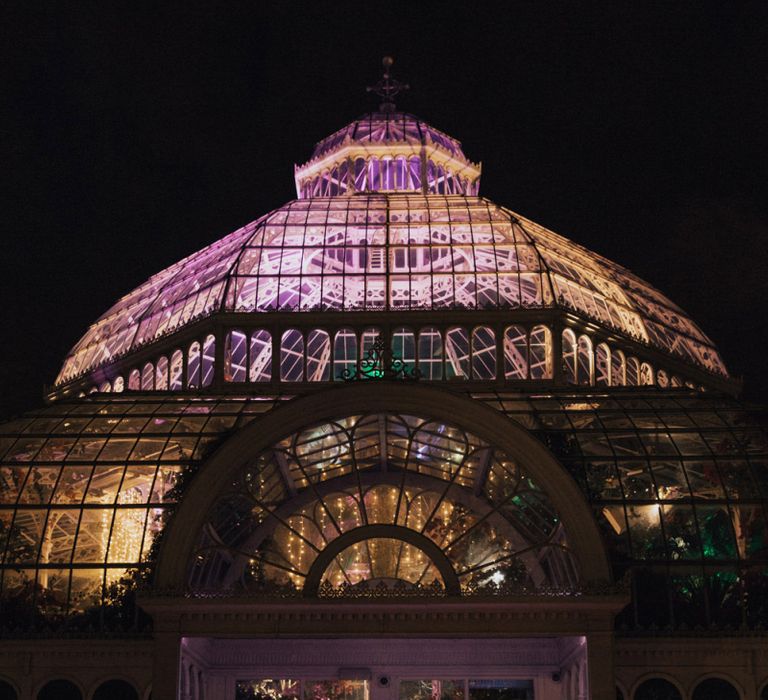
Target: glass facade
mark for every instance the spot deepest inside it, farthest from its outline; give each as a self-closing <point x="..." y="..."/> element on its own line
<point x="678" y="484"/>
<point x="85" y="488"/>
<point x="405" y="484"/>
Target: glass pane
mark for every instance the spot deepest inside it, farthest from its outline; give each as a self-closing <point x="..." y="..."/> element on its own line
<point x="161" y="374"/>
<point x="431" y="690"/>
<point x="515" y="353"/>
<point x="380" y="559"/>
<point x="540" y="353"/>
<point x="209" y="360"/>
<point x="193" y="366"/>
<point x="500" y="690"/>
<point x="318" y="356"/>
<point x="260" y="357"/>
<point x="177" y="366"/>
<point x="457" y="353"/>
<point x="603" y="365"/>
<point x="267" y="689"/>
<point x="336" y="690"/>
<point x="235" y="356"/>
<point x="430" y="353"/>
<point x="569" y="356"/>
<point x="344" y="352"/>
<point x="292" y="356"/>
<point x="404" y="347"/>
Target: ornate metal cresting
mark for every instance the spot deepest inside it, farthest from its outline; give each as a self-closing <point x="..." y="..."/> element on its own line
<point x="388" y="88"/>
<point x="380" y="363"/>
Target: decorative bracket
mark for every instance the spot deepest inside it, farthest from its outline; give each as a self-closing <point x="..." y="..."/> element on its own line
<point x="380" y="363"/>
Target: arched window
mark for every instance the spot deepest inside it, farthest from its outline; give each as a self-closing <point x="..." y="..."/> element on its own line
<point x="515" y="353"/>
<point x="134" y="380"/>
<point x="646" y="374"/>
<point x="333" y="188"/>
<point x="483" y="353"/>
<point x="177" y="370"/>
<point x="662" y="379"/>
<point x="603" y="365"/>
<point x="715" y="689"/>
<point x="401" y="173"/>
<point x="148" y="377"/>
<point x="118" y="385"/>
<point x="675" y="381"/>
<point x="540" y="353"/>
<point x="430" y="353"/>
<point x="7" y="691"/>
<point x="60" y="690"/>
<point x="457" y="353"/>
<point x="260" y="356"/>
<point x="193" y="366"/>
<point x="585" y="362"/>
<point x="387" y="173"/>
<point x="404" y="347"/>
<point x="292" y="356"/>
<point x="209" y="360"/>
<point x="657" y="689"/>
<point x="105" y="387"/>
<point x="318" y="356"/>
<point x="365" y="529"/>
<point x="569" y="356"/>
<point x="374" y="175"/>
<point x="633" y="371"/>
<point x="161" y="374"/>
<point x="343" y="174"/>
<point x="414" y="173"/>
<point x="618" y="368"/>
<point x="446" y="180"/>
<point x="115" y="690"/>
<point x="431" y="177"/>
<point x="235" y="356"/>
<point x="361" y="175"/>
<point x="344" y="352"/>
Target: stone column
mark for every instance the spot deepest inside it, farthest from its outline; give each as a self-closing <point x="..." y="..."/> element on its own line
<point x="601" y="681"/>
<point x="165" y="669"/>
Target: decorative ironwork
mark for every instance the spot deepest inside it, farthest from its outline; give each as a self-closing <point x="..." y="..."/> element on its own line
<point x="380" y="363"/>
<point x="367" y="590"/>
<point x="388" y="88"/>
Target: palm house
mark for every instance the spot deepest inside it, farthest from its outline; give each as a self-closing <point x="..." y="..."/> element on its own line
<point x="390" y="441"/>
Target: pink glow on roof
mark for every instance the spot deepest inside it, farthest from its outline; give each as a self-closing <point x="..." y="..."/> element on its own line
<point x="390" y="252"/>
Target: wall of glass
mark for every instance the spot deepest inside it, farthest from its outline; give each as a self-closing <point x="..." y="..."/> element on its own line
<point x="679" y="485"/>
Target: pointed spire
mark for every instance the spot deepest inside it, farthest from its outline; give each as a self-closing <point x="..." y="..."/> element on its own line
<point x="388" y="88"/>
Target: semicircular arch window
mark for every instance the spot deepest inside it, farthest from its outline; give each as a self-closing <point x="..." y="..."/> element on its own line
<point x="475" y="508"/>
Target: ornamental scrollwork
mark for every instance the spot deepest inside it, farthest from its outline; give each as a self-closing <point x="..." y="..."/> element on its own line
<point x="380" y="363"/>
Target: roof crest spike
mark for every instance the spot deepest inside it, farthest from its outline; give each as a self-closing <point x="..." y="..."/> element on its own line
<point x="388" y="88"/>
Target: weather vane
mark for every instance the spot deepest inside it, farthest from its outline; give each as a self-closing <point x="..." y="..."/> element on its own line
<point x="388" y="88"/>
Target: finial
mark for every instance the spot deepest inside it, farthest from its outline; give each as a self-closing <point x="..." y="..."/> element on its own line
<point x="388" y="88"/>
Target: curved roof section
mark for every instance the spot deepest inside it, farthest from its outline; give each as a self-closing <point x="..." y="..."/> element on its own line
<point x="388" y="127"/>
<point x="390" y="252"/>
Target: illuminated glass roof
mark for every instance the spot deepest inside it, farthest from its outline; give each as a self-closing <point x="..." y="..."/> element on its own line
<point x="388" y="127"/>
<point x="395" y="252"/>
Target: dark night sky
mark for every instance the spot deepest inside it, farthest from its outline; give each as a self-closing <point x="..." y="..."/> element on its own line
<point x="132" y="135"/>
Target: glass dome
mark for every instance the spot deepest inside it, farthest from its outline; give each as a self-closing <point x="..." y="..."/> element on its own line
<point x="391" y="252"/>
